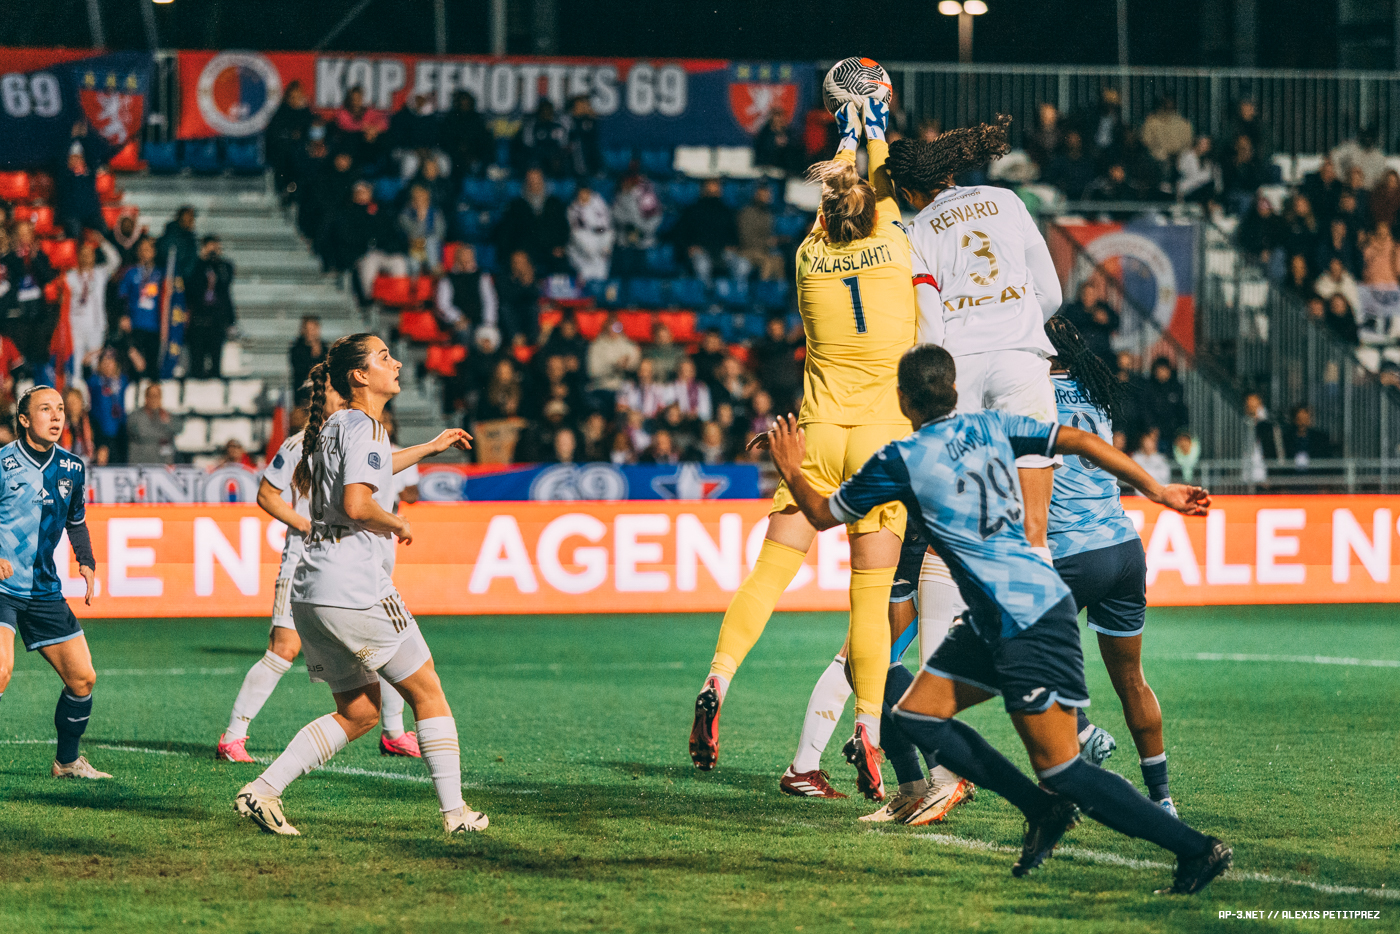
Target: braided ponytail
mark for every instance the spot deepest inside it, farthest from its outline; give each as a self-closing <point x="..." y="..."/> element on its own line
<point x="848" y="201"/>
<point x="311" y="438"/>
<point x="1084" y="366"/>
<point x="929" y="167"/>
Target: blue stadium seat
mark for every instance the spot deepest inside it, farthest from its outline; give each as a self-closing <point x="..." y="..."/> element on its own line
<point x="736" y="194"/>
<point x="605" y="187"/>
<point x="750" y="324"/>
<point x="244" y="156"/>
<point x="606" y="293"/>
<point x="732" y="292"/>
<point x="508" y="189"/>
<point x="616" y="161"/>
<point x="202" y="156"/>
<point x="661" y="260"/>
<point x="387" y="189"/>
<point x="680" y="193"/>
<point x="486" y="255"/>
<point x="791" y="226"/>
<point x="468" y="226"/>
<point x="160" y="158"/>
<point x="503" y="152"/>
<point x="710" y="321"/>
<point x="657" y="162"/>
<point x="563" y="189"/>
<point x="688" y="293"/>
<point x="646" y="293"/>
<point x="481" y="192"/>
<point x="771" y="295"/>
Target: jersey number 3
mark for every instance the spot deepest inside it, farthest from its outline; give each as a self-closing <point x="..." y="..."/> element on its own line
<point x="853" y="283"/>
<point x="984" y="250"/>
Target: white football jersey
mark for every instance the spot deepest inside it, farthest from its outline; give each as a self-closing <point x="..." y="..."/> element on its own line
<point x="279" y="474"/>
<point x="403" y="480"/>
<point x="980" y="249"/>
<point x="345" y="564"/>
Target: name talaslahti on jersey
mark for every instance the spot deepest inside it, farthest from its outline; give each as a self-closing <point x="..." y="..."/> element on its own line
<point x="872" y="256"/>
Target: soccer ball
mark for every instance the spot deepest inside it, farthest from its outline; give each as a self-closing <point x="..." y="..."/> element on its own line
<point x="853" y="78"/>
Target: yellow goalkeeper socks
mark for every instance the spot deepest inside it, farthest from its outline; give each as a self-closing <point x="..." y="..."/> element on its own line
<point x="748" y="612"/>
<point x="870" y="638"/>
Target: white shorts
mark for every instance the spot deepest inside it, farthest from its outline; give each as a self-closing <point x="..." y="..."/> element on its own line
<point x="1015" y="381"/>
<point x="347" y="648"/>
<point x="282" y="590"/>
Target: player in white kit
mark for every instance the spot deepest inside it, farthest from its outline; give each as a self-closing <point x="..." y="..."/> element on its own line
<point x="277" y="498"/>
<point x="352" y="622"/>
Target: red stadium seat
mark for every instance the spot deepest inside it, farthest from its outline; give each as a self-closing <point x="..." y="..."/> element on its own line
<point x="421" y="327"/>
<point x="392" y="291"/>
<point x="107" y="188"/>
<point x="590" y="323"/>
<point x="62" y="253"/>
<point x="112" y="213"/>
<point x="41" y="187"/>
<point x="14" y="186"/>
<point x="129" y="159"/>
<point x="550" y="318"/>
<point x="443" y="358"/>
<point x="449" y="255"/>
<point x="54" y="290"/>
<point x="636" y="325"/>
<point x="523" y="353"/>
<point x="682" y="325"/>
<point x="422" y="289"/>
<point x="739" y="352"/>
<point x="41" y="217"/>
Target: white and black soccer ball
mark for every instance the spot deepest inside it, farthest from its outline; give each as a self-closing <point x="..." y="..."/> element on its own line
<point x="853" y="78"/>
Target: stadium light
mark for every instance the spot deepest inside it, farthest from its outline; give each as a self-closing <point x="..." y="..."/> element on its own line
<point x="950" y="7"/>
<point x="162" y="2"/>
<point x="975" y="7"/>
<point x="964" y="12"/>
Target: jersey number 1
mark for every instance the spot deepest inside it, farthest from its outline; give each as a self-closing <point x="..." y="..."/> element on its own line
<point x="853" y="283"/>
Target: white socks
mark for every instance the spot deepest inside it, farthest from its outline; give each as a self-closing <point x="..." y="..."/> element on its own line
<point x="390" y="709"/>
<point x="257" y="688"/>
<point x="939" y="603"/>
<point x="721" y="682"/>
<point x="1043" y="552"/>
<point x="824" y="709"/>
<point x="872" y="726"/>
<point x="312" y="747"/>
<point x="437" y="738"/>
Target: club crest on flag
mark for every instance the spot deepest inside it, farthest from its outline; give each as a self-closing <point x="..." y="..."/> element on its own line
<point x="113" y="104"/>
<point x="753" y="102"/>
<point x="238" y="93"/>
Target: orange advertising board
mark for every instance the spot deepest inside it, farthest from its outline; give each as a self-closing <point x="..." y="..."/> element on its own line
<point x="221" y="560"/>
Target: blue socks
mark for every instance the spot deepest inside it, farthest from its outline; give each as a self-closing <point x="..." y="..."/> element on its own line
<point x="1154" y="775"/>
<point x="70" y="718"/>
<point x="960" y="748"/>
<point x="898" y="748"/>
<point x="1113" y="802"/>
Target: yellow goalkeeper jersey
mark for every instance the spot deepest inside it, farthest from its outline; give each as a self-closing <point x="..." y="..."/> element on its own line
<point x="858" y="310"/>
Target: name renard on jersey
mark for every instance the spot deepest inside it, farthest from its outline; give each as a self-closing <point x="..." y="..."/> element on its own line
<point x="876" y="255"/>
<point x="967" y="212"/>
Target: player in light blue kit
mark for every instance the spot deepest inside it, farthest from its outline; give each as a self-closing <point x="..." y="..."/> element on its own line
<point x="43" y="495"/>
<point x="1020" y="638"/>
<point x="1099" y="556"/>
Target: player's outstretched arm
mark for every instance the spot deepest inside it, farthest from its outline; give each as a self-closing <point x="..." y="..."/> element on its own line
<point x="787" y="444"/>
<point x="271" y="502"/>
<point x="876" y="119"/>
<point x="359" y="505"/>
<point x="1190" y="500"/>
<point x="451" y="438"/>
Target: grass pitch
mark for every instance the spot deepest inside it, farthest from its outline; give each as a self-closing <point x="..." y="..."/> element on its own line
<point x="574" y="742"/>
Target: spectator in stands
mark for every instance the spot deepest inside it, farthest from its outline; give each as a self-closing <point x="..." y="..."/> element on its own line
<point x="1186" y="454"/>
<point x="708" y="234"/>
<point x="423" y="226"/>
<point x="324" y="188"/>
<point x="612" y="358"/>
<point x="475" y="373"/>
<point x="414" y="133"/>
<point x="107" y="390"/>
<point x="29" y="319"/>
<point x="818" y="133"/>
<point x="1302" y="443"/>
<point x="537" y="223"/>
<point x="1268" y="438"/>
<point x="1043" y="143"/>
<point x="235" y="454"/>
<point x="1113" y="185"/>
<point x="1165" y="399"/>
<point x="761" y="417"/>
<point x="1339" y="244"/>
<point x="10" y="360"/>
<point x="733" y="384"/>
<point x="663" y="352"/>
<point x="595" y="439"/>
<point x="1362" y="153"/>
<point x="466" y="139"/>
<point x="1166" y="134"/>
<point x="209" y="297"/>
<point x="1262" y="235"/>
<point x="591" y="234"/>
<point x="1341" y="320"/>
<point x="151" y="430"/>
<point x="644" y="393"/>
<point x="1385" y="199"/>
<point x="690" y="394"/>
<point x="1304" y="232"/>
<point x="1243" y="173"/>
<point x="356" y="236"/>
<point x="565" y="341"/>
<point x="637" y="215"/>
<point x="360" y="127"/>
<point x="709" y="355"/>
<point x="1323" y="188"/>
<point x="1337" y="280"/>
<point x="1247" y="122"/>
<point x="1353" y="206"/>
<point x="519" y="299"/>
<point x="542" y="143"/>
<point x="306" y="351"/>
<point x="1298" y="281"/>
<point x="757" y="244"/>
<point x="777" y="146"/>
<point x="502" y="395"/>
<point x="1380" y="278"/>
<point x="76" y="204"/>
<point x="1070" y="170"/>
<point x="552" y="383"/>
<point x="565" y="447"/>
<point x="585" y="147"/>
<point x="286" y="137"/>
<point x="466" y="296"/>
<point x="1198" y="173"/>
<point x="440" y="191"/>
<point x="1150" y="459"/>
<point x="1095" y="318"/>
<point x="87" y="303"/>
<point x="125" y="237"/>
<point x="776" y="363"/>
<point x="121" y="342"/>
<point x="662" y="450"/>
<point x="1104" y="129"/>
<point x="77" y="427"/>
<point x="710" y="449"/>
<point x="633" y="437"/>
<point x="536" y="442"/>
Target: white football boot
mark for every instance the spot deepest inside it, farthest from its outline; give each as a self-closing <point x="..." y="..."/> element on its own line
<point x="263" y="810"/>
<point x="79" y="768"/>
<point x="463" y="820"/>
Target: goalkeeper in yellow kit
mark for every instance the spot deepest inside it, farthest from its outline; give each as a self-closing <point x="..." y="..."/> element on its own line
<point x="856" y="298"/>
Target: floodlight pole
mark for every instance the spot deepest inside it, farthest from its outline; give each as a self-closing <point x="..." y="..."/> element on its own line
<point x="339" y="27"/>
<point x="965" y="37"/>
<point x="440" y="25"/>
<point x="148" y="19"/>
<point x="498" y="27"/>
<point x="99" y="38"/>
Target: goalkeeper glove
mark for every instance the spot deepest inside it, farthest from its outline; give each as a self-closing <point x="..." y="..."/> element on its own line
<point x="876" y="116"/>
<point x="848" y="124"/>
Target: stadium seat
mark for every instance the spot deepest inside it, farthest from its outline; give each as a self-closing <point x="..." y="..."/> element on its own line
<point x="657" y="162"/>
<point x="205" y="396"/>
<point x="129" y="397"/>
<point x="510" y="188"/>
<point x="244" y="156"/>
<point x="680" y="193"/>
<point x="688" y="293"/>
<point x="53" y="292"/>
<point x="604" y="292"/>
<point x="202" y="156"/>
<point x="647" y="293"/>
<point x="128" y="159"/>
<point x="617" y="161"/>
<point x="172" y="397"/>
<point x="243" y="395"/>
<point x="707" y="321"/>
<point x="449" y="254"/>
<point x="662" y="260"/>
<point x="564" y="189"/>
<point x="486" y="255"/>
<point x="605" y="187"/>
<point x="771" y="295"/>
<point x="636" y="325"/>
<point x="107" y="188"/>
<point x="161" y="158"/>
<point x="739" y="352"/>
<point x="1303" y="166"/>
<point x="736" y="194"/>
<point x="40" y="216"/>
<point x="803" y="195"/>
<point x="733" y="292"/>
<point x="393" y="291"/>
<point x="224" y="430"/>
<point x="387" y="189"/>
<point x="682" y="325"/>
<point x="791" y="226"/>
<point x="63" y="254"/>
<point x="695" y="161"/>
<point x="444" y="358"/>
<point x="590" y="323"/>
<point x="14" y="186"/>
<point x="480" y="192"/>
<point x="735" y="162"/>
<point x="421" y="327"/>
<point x="113" y="213"/>
<point x="193" y="437"/>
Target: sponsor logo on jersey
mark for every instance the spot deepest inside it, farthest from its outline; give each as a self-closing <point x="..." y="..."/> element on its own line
<point x="67" y="464"/>
<point x="11" y="462"/>
<point x="374" y="460"/>
<point x="277" y="461"/>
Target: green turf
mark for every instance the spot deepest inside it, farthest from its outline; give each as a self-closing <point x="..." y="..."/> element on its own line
<point x="574" y="741"/>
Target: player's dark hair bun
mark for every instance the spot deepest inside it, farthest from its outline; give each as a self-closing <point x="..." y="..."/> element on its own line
<point x="926" y="377"/>
<point x="929" y="167"/>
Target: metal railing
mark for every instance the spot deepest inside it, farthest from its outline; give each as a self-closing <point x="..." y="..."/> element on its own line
<point x="1300" y="111"/>
<point x="1333" y="475"/>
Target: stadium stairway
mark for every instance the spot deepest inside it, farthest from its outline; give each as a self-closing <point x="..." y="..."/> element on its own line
<point x="278" y="278"/>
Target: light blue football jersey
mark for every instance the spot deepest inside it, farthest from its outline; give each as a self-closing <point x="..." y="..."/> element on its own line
<point x="38" y="501"/>
<point x="1086" y="510"/>
<point x="957" y="476"/>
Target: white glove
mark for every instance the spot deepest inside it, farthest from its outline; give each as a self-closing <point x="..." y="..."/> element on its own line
<point x="876" y="117"/>
<point x="849" y="120"/>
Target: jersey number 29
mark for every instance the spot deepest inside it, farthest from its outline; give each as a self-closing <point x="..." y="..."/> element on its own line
<point x="996" y="489"/>
<point x="853" y="283"/>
